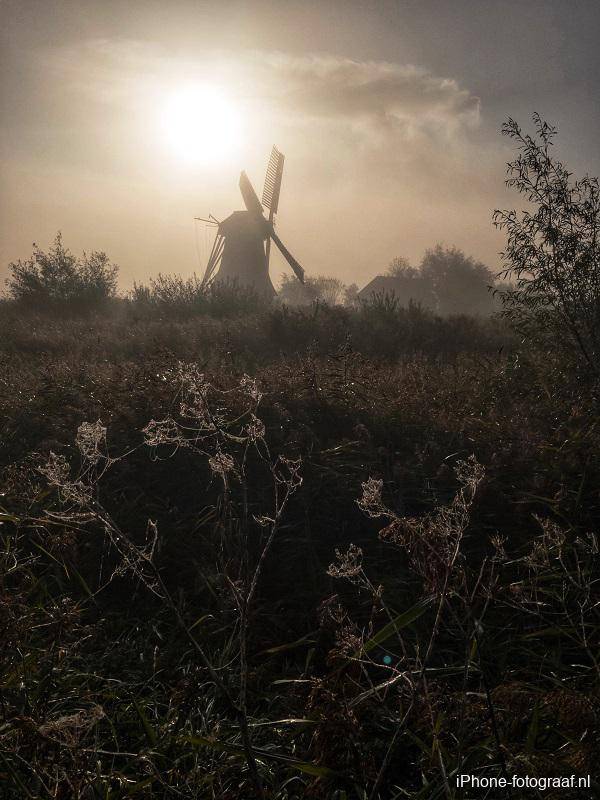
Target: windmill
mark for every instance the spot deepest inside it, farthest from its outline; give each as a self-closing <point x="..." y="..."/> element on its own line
<point x="239" y="252"/>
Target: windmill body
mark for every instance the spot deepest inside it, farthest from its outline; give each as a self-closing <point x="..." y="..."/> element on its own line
<point x="241" y="248"/>
<point x="244" y="260"/>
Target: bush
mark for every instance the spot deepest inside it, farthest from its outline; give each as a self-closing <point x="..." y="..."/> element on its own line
<point x="321" y="288"/>
<point x="177" y="296"/>
<point x="553" y="249"/>
<point x="58" y="278"/>
<point x="458" y="283"/>
<point x="447" y="281"/>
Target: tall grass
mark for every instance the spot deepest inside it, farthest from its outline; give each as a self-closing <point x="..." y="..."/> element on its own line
<point x="176" y="622"/>
<point x="177" y="297"/>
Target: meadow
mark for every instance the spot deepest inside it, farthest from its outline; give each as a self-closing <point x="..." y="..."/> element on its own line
<point x="257" y="551"/>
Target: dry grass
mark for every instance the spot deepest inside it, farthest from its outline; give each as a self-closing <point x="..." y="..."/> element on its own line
<point x="172" y="622"/>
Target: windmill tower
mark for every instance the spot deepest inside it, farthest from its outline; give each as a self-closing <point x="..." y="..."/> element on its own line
<point x="242" y="246"/>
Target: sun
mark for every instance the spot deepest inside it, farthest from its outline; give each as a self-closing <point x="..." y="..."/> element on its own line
<point x="201" y="124"/>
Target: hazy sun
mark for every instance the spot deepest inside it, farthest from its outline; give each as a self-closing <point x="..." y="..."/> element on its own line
<point x="201" y="124"/>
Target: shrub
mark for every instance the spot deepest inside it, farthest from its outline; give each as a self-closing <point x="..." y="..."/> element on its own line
<point x="321" y="288"/>
<point x="57" y="277"/>
<point x="458" y="283"/>
<point x="174" y="295"/>
<point x="553" y="250"/>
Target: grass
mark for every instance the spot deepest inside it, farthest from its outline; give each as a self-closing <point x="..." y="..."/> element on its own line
<point x="176" y="622"/>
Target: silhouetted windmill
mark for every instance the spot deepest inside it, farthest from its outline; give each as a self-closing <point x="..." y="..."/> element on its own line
<point x="239" y="253"/>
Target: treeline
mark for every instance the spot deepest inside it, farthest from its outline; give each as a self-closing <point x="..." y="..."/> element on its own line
<point x="446" y="282"/>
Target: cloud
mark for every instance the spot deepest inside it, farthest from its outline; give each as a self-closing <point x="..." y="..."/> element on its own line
<point x="372" y="96"/>
<point x="384" y="93"/>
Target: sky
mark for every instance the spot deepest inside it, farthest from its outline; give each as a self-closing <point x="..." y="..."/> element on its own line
<point x="388" y="112"/>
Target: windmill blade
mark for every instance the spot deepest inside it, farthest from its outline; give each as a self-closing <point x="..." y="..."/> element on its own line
<point x="272" y="188"/>
<point x="214" y="259"/>
<point x="288" y="256"/>
<point x="251" y="200"/>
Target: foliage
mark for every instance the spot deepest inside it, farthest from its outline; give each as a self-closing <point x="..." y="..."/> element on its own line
<point x="458" y="283"/>
<point x="553" y="248"/>
<point x="400" y="267"/>
<point x="319" y="288"/>
<point x="446" y="281"/>
<point x="351" y="299"/>
<point x="180" y="297"/>
<point x="58" y="278"/>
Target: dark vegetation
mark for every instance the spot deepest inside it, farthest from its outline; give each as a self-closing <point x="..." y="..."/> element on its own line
<point x="368" y="567"/>
<point x="58" y="280"/>
<point x="446" y="281"/>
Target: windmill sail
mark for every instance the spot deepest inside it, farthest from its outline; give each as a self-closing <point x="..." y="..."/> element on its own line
<point x="272" y="188"/>
<point x="288" y="256"/>
<point x="214" y="259"/>
<point x="251" y="200"/>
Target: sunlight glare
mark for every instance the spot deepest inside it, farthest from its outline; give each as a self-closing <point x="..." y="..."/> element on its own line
<point x="201" y="124"/>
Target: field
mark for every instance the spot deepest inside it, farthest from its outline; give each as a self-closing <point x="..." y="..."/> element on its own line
<point x="323" y="552"/>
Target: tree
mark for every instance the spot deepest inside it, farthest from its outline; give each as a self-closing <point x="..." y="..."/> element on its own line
<point x="97" y="277"/>
<point x="58" y="277"/>
<point x="458" y="283"/>
<point x="351" y="299"/>
<point x="400" y="267"/>
<point x="552" y="252"/>
<point x="329" y="290"/>
<point x="293" y="293"/>
<point x="321" y="288"/>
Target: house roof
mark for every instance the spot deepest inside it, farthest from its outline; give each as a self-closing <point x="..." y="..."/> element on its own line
<point x="403" y="287"/>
